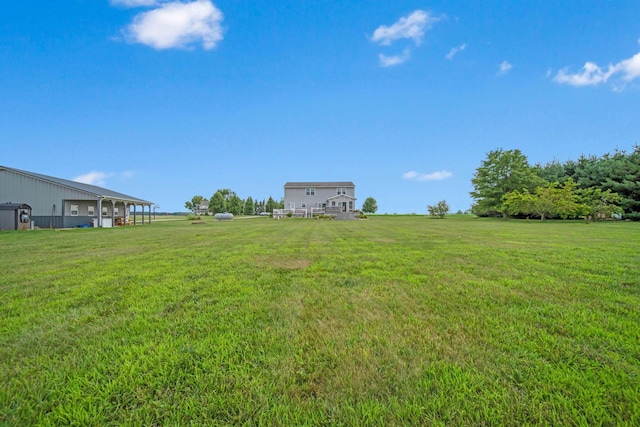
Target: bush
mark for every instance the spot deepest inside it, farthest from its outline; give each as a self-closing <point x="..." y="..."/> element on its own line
<point x="289" y="214"/>
<point x="193" y="217"/>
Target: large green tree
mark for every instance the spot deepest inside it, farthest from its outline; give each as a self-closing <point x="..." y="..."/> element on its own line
<point x="500" y="173"/>
<point x="217" y="204"/>
<point x="370" y="205"/>
<point x="550" y="199"/>
<point x="599" y="204"/>
<point x="235" y="205"/>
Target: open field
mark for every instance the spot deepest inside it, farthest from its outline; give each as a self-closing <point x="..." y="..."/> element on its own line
<point x="396" y="320"/>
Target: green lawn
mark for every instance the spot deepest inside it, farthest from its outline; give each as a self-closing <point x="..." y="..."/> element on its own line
<point x="396" y="320"/>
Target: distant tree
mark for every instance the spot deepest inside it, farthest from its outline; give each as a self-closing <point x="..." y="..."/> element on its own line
<point x="260" y="207"/>
<point x="370" y="205"/>
<point x="235" y="204"/>
<point x="193" y="204"/>
<point x="217" y="204"/>
<point x="500" y="173"/>
<point x="249" y="206"/>
<point x="271" y="205"/>
<point x="440" y="209"/>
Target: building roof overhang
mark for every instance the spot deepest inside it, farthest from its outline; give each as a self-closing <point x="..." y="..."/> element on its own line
<point x="327" y="184"/>
<point x="92" y="190"/>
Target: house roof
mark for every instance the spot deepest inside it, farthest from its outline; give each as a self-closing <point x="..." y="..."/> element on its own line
<point x="87" y="188"/>
<point x="318" y="184"/>
<point x="13" y="206"/>
<point x="342" y="196"/>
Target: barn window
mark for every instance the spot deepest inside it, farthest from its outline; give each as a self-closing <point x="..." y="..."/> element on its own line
<point x="74" y="210"/>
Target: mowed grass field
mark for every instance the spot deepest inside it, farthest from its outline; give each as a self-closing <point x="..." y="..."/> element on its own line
<point x="395" y="320"/>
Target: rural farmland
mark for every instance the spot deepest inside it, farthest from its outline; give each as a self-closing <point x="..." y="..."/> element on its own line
<point x="395" y="320"/>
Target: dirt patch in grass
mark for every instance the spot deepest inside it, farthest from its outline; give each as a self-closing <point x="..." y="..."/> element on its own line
<point x="384" y="240"/>
<point x="284" y="262"/>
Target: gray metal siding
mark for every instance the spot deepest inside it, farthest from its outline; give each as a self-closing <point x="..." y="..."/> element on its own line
<point x="46" y="199"/>
<point x="8" y="220"/>
<point x="75" y="221"/>
<point x="47" y="221"/>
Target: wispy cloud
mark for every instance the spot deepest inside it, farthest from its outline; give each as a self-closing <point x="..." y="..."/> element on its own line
<point x="434" y="176"/>
<point x="410" y="27"/>
<point x="389" y="61"/>
<point x="505" y="67"/>
<point x="592" y="74"/>
<point x="100" y="178"/>
<point x="177" y="25"/>
<point x="455" y="50"/>
<point x="94" y="178"/>
<point x="133" y="3"/>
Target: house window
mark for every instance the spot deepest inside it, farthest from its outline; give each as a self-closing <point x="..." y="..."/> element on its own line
<point x="333" y="203"/>
<point x="105" y="211"/>
<point x="115" y="211"/>
<point x="311" y="191"/>
<point x="91" y="210"/>
<point x="74" y="210"/>
<point x="292" y="205"/>
<point x="303" y="205"/>
<point x="350" y="206"/>
<point x="341" y="191"/>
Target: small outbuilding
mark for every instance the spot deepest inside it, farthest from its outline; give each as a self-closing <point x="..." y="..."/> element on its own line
<point x="15" y="216"/>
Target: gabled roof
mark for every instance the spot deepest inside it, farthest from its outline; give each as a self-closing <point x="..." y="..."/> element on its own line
<point x="319" y="184"/>
<point x="87" y="188"/>
<point x="13" y="206"/>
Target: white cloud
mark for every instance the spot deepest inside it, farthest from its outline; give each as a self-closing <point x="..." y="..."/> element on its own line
<point x="592" y="75"/>
<point x="389" y="61"/>
<point x="100" y="178"/>
<point x="178" y="25"/>
<point x="434" y="176"/>
<point x="409" y="27"/>
<point x="94" y="178"/>
<point x="455" y="50"/>
<point x="630" y="68"/>
<point x="133" y="3"/>
<point x="505" y="67"/>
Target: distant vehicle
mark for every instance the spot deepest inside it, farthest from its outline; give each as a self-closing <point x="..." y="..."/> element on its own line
<point x="265" y="213"/>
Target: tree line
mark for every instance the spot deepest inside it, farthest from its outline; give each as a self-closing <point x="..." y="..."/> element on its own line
<point x="226" y="200"/>
<point x="591" y="187"/>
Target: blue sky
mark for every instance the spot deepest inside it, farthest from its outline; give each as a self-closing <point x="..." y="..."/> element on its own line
<point x="164" y="100"/>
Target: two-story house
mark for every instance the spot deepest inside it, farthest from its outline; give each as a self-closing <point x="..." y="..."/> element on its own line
<point x="203" y="207"/>
<point x="309" y="198"/>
